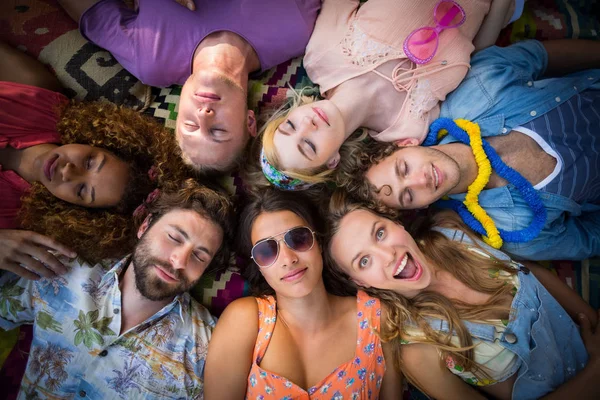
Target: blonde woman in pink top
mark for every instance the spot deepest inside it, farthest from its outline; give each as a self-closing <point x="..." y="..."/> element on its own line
<point x="357" y="56"/>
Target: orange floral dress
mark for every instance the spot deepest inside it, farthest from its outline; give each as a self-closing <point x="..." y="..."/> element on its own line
<point x="359" y="378"/>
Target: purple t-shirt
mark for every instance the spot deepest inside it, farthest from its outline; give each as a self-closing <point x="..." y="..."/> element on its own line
<point x="157" y="42"/>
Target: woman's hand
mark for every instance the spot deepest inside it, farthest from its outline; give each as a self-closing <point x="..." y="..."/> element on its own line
<point x="26" y="254"/>
<point x="189" y="4"/>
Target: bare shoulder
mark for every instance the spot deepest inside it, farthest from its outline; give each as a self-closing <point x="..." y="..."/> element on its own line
<point x="241" y="313"/>
<point x="243" y="305"/>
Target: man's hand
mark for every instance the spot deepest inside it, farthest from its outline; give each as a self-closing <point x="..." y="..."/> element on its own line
<point x="25" y="253"/>
<point x="189" y="4"/>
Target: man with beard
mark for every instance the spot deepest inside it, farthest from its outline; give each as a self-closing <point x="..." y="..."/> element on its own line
<point x="542" y="126"/>
<point x="134" y="331"/>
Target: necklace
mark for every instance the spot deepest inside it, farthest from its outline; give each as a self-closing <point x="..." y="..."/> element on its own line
<point x="486" y="158"/>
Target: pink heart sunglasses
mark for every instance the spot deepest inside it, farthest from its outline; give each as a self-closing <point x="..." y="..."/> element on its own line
<point x="421" y="45"/>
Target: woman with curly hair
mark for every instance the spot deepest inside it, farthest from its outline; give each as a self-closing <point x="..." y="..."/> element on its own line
<point x="71" y="172"/>
<point x="462" y="315"/>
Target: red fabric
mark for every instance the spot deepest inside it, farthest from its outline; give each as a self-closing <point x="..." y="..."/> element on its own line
<point x="28" y="117"/>
<point x="12" y="187"/>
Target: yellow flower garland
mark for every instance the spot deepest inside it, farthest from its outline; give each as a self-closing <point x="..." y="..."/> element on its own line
<point x="483" y="177"/>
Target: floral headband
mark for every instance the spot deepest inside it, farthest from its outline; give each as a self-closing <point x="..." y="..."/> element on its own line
<point x="143" y="208"/>
<point x="278" y="178"/>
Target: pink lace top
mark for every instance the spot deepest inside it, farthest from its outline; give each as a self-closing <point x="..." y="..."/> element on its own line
<point x="351" y="40"/>
<point x="359" y="378"/>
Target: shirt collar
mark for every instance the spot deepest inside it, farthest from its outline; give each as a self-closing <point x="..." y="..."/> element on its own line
<point x="183" y="299"/>
<point x="489" y="126"/>
<point x="110" y="277"/>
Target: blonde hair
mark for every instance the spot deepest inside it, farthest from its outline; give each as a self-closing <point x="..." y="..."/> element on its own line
<point x="469" y="267"/>
<point x="265" y="142"/>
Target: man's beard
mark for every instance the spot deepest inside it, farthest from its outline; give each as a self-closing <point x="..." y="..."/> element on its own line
<point x="147" y="281"/>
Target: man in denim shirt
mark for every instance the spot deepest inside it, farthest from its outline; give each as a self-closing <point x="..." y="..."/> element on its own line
<point x="545" y="128"/>
<point x="131" y="330"/>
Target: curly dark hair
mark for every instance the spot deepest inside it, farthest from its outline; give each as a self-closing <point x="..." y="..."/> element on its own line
<point x="210" y="202"/>
<point x="353" y="168"/>
<point x="140" y="141"/>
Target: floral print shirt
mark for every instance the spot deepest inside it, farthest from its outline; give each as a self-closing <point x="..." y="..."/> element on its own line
<point x="359" y="378"/>
<point x="77" y="351"/>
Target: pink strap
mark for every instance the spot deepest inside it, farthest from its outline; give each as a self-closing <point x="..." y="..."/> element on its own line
<point x="400" y="75"/>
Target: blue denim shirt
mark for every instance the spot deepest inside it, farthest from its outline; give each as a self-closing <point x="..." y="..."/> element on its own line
<point x="505" y="88"/>
<point x="539" y="332"/>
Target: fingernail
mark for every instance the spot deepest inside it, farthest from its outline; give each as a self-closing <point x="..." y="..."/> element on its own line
<point x="190" y="7"/>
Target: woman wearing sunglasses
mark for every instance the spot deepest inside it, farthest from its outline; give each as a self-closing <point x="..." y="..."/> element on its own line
<point x="70" y="172"/>
<point x="298" y="339"/>
<point x="463" y="315"/>
<point x="384" y="66"/>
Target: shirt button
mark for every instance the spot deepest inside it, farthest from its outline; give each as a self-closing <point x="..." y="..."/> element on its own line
<point x="590" y="78"/>
<point x="575" y="87"/>
<point x="504" y="130"/>
<point x="530" y="83"/>
<point x="116" y="311"/>
<point x="103" y="353"/>
<point x="557" y="99"/>
<point x="510" y="338"/>
<point x="533" y="113"/>
<point x="82" y="393"/>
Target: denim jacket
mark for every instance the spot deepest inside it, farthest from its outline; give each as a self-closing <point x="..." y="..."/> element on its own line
<point x="540" y="332"/>
<point x="505" y="88"/>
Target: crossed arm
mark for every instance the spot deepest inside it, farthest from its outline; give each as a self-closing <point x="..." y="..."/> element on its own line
<point x="570" y="300"/>
<point x="423" y="363"/>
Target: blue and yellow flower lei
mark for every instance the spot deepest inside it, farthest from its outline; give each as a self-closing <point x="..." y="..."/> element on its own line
<point x="486" y="158"/>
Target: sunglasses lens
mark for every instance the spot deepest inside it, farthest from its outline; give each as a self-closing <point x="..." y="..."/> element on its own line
<point x="448" y="14"/>
<point x="265" y="253"/>
<point x="422" y="44"/>
<point x="299" y="239"/>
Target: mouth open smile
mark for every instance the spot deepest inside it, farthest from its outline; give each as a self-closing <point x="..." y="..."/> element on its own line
<point x="408" y="269"/>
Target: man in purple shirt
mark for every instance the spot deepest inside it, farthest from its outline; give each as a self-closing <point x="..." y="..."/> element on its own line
<point x="211" y="51"/>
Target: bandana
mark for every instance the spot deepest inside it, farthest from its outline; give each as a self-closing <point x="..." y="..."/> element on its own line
<point x="278" y="178"/>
